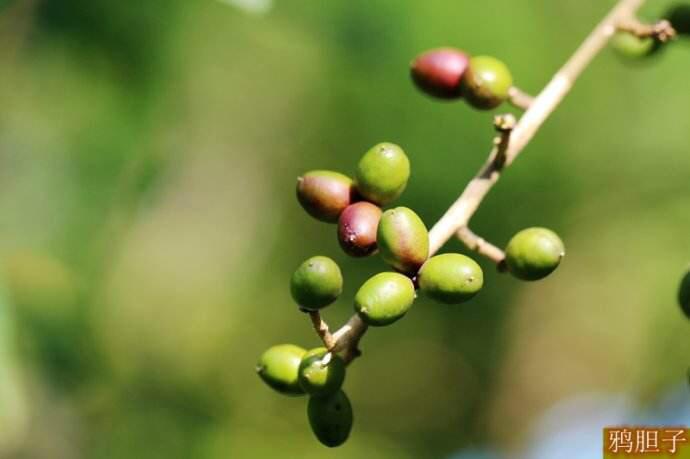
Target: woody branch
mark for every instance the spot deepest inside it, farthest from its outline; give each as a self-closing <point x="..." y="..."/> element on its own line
<point x="512" y="142"/>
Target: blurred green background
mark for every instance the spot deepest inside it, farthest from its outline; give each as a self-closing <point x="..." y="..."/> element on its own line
<point x="148" y="225"/>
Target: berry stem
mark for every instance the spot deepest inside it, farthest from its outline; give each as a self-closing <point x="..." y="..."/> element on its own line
<point x="481" y="246"/>
<point x="459" y="214"/>
<point x="519" y="99"/>
<point x="321" y="328"/>
<point x="661" y="30"/>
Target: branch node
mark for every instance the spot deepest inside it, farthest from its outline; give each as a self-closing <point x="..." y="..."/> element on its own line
<point x="504" y="125"/>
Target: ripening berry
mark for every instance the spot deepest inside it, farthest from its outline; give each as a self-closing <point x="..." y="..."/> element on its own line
<point x="357" y="228"/>
<point x="451" y="278"/>
<point x="316" y="283"/>
<point x="325" y="194"/>
<point x="534" y="253"/>
<point x="679" y="17"/>
<point x="403" y="239"/>
<point x="486" y="82"/>
<point x="632" y="46"/>
<point x="382" y="173"/>
<point x="279" y="367"/>
<point x="684" y="294"/>
<point x="438" y="72"/>
<point x="318" y="376"/>
<point x="384" y="298"/>
<point x="330" y="418"/>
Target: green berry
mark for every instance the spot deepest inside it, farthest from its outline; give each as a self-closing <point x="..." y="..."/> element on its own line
<point x="357" y="228"/>
<point x="684" y="294"/>
<point x="403" y="239"/>
<point x="451" y="278"/>
<point x="384" y="298"/>
<point x="279" y="368"/>
<point x="631" y="46"/>
<point x="316" y="283"/>
<point x="486" y="82"/>
<point x="325" y="194"/>
<point x="330" y="418"/>
<point x="382" y="173"/>
<point x="534" y="253"/>
<point x="320" y="377"/>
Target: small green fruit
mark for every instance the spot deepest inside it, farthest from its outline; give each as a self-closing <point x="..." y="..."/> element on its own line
<point x="279" y="368"/>
<point x="330" y="418"/>
<point x="382" y="173"/>
<point x="325" y="194"/>
<point x="384" y="298"/>
<point x="684" y="294"/>
<point x="357" y="228"/>
<point x="316" y="283"/>
<point x="631" y="46"/>
<point x="318" y="377"/>
<point x="403" y="239"/>
<point x="534" y="253"/>
<point x="486" y="82"/>
<point x="451" y="278"/>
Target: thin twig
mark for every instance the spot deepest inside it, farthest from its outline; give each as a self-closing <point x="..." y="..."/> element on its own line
<point x="459" y="214"/>
<point x="519" y="98"/>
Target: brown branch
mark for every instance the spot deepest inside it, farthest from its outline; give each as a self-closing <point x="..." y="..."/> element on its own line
<point x="459" y="214"/>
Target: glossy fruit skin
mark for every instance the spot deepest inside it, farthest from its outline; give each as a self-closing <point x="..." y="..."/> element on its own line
<point x="684" y="294"/>
<point x="382" y="173"/>
<point x="679" y="17"/>
<point x="318" y="379"/>
<point x="486" y="82"/>
<point x="330" y="418"/>
<point x="451" y="278"/>
<point x="278" y="367"/>
<point x="316" y="283"/>
<point x="357" y="228"/>
<point x="631" y="46"/>
<point x="534" y="253"/>
<point x="384" y="298"/>
<point x="325" y="194"/>
<point x="438" y="72"/>
<point x="403" y="239"/>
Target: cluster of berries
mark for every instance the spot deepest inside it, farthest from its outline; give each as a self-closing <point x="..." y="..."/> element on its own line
<point x="401" y="238"/>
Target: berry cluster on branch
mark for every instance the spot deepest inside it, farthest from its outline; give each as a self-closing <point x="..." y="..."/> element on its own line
<point x="365" y="228"/>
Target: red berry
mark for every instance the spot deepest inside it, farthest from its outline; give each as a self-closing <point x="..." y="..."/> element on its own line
<point x="357" y="228"/>
<point x="438" y="72"/>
